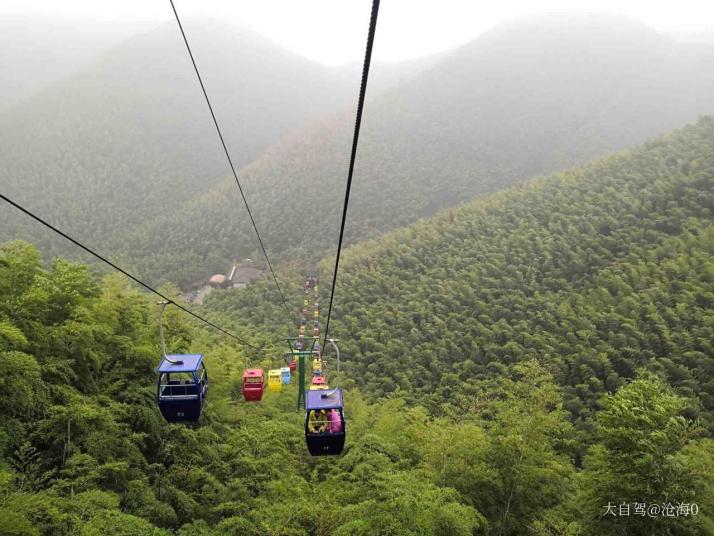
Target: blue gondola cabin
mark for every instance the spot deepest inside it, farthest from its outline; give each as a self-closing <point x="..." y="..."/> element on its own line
<point x="182" y="387"/>
<point x="324" y="422"/>
<point x="285" y="375"/>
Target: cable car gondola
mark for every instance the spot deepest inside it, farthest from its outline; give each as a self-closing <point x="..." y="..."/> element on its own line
<point x="285" y="375"/>
<point x="253" y="384"/>
<point x="182" y="387"/>
<point x="318" y="382"/>
<point x="182" y="383"/>
<point x="275" y="382"/>
<point x="324" y="422"/>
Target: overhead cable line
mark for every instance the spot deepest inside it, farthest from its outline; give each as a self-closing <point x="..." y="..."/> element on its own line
<point x="355" y="139"/>
<point x="228" y="157"/>
<point x="127" y="274"/>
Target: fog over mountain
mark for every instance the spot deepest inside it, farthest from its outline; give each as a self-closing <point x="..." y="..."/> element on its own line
<point x="525" y="99"/>
<point x="37" y="50"/>
<point x="132" y="130"/>
<point x="128" y="143"/>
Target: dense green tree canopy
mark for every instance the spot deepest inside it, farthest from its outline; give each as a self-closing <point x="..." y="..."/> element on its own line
<point x="511" y="367"/>
<point x="595" y="272"/>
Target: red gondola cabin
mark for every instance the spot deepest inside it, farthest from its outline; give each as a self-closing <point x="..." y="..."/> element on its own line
<point x="253" y="384"/>
<point x="318" y="382"/>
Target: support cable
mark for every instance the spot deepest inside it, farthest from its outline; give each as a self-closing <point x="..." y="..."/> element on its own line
<point x="121" y="270"/>
<point x="355" y="139"/>
<point x="228" y="157"/>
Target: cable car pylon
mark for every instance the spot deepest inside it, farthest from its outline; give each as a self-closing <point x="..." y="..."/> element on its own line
<point x="298" y="350"/>
<point x="324" y="407"/>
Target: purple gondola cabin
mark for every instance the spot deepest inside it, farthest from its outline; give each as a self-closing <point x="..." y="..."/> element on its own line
<point x="324" y="422"/>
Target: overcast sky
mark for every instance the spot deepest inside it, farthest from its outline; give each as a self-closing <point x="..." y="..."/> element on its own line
<point x="333" y="31"/>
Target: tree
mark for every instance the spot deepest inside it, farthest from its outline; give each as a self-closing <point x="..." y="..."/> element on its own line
<point x="22" y="392"/>
<point x="643" y="456"/>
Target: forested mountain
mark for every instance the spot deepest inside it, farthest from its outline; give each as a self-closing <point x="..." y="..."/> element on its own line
<point x="593" y="272"/>
<point x="148" y="180"/>
<point x="527" y="363"/>
<point x="37" y="50"/>
<point x="524" y="99"/>
<point x="130" y="137"/>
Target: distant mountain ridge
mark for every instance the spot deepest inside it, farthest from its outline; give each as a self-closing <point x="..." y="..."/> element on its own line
<point x="524" y="99"/>
<point x="130" y="136"/>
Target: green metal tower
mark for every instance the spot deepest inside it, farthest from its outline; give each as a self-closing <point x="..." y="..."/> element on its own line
<point x="301" y="354"/>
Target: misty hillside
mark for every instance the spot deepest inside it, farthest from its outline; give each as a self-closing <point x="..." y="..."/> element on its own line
<point x="525" y="99"/>
<point x="524" y="307"/>
<point x="595" y="272"/>
<point x="37" y="50"/>
<point x="522" y="361"/>
<point x="130" y="136"/>
<point x="146" y="178"/>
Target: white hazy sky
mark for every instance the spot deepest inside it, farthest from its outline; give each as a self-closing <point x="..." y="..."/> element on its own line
<point x="333" y="31"/>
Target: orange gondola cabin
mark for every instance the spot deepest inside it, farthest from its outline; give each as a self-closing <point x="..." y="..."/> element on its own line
<point x="253" y="384"/>
<point x="318" y="382"/>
